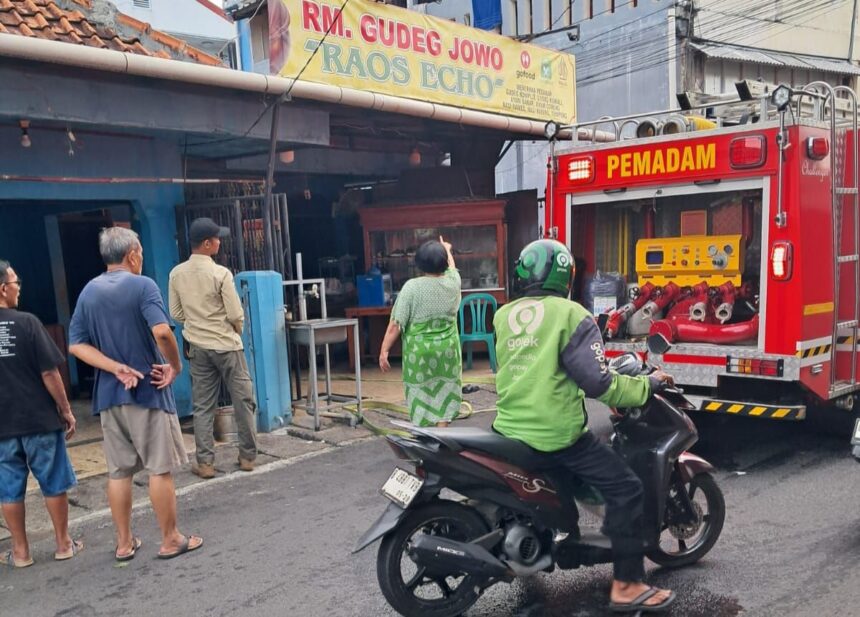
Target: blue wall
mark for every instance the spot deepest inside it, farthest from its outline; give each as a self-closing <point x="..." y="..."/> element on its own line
<point x="23" y="205"/>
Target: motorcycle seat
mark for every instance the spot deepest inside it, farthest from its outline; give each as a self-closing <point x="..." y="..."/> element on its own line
<point x="489" y="442"/>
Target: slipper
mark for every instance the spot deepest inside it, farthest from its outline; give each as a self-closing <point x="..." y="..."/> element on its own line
<point x="8" y="559"/>
<point x="136" y="543"/>
<point x="77" y="547"/>
<point x="638" y="605"/>
<point x="185" y="547"/>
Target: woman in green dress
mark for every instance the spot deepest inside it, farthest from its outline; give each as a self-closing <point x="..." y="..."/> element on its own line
<point x="425" y="314"/>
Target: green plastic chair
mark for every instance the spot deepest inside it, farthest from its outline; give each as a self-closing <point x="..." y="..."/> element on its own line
<point x="477" y="304"/>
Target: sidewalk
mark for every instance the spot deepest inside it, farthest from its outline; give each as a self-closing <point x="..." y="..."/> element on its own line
<point x="86" y="453"/>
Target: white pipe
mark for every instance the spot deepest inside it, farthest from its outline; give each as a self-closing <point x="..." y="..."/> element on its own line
<point x="29" y="48"/>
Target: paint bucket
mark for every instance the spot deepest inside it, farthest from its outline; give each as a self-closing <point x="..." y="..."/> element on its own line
<point x="225" y="425"/>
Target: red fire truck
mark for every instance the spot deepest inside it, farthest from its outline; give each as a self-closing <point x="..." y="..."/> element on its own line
<point x="738" y="240"/>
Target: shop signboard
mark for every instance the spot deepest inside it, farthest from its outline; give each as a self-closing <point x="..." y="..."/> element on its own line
<point x="389" y="50"/>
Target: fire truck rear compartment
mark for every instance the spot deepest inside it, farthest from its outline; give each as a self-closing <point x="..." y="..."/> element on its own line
<point x="690" y="263"/>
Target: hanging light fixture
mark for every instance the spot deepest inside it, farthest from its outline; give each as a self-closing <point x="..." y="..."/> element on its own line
<point x="25" y="134"/>
<point x="287" y="156"/>
<point x="415" y="157"/>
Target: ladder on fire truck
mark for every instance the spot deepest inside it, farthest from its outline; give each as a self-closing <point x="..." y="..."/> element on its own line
<point x="827" y="104"/>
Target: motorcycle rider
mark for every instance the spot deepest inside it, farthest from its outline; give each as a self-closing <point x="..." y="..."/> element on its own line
<point x="550" y="357"/>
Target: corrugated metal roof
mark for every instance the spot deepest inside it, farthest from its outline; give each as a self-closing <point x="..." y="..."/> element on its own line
<point x="775" y="58"/>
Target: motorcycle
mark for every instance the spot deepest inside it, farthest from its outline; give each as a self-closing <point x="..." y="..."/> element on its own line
<point x="504" y="515"/>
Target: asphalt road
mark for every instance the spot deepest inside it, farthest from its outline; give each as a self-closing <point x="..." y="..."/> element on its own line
<point x="278" y="544"/>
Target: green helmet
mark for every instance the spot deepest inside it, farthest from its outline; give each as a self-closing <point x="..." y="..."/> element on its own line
<point x="544" y="265"/>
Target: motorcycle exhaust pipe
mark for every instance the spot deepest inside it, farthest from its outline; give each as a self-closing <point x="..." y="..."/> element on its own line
<point x="439" y="554"/>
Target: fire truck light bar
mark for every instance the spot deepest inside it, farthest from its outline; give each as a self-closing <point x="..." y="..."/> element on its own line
<point x="748" y="366"/>
<point x="581" y="170"/>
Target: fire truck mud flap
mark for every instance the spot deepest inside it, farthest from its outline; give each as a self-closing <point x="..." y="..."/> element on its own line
<point x="753" y="410"/>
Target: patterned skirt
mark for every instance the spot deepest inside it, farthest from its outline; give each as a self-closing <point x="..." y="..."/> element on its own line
<point x="432" y="371"/>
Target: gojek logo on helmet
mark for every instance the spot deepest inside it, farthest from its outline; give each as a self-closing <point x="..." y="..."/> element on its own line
<point x="524" y="321"/>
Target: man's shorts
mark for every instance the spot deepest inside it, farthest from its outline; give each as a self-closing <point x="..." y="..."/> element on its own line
<point x="45" y="455"/>
<point x="137" y="438"/>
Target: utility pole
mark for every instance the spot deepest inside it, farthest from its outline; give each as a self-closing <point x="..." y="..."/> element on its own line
<point x="853" y="27"/>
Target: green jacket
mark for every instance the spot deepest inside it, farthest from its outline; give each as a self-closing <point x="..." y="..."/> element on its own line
<point x="550" y="357"/>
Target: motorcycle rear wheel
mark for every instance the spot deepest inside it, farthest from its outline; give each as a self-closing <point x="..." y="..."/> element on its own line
<point x="417" y="594"/>
<point x="704" y="534"/>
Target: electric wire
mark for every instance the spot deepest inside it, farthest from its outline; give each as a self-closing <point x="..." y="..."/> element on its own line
<point x="282" y="97"/>
<point x="625" y="51"/>
<point x="662" y="56"/>
<point x="729" y="26"/>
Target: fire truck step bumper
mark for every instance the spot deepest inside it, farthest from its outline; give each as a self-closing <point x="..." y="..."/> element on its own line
<point x="753" y="410"/>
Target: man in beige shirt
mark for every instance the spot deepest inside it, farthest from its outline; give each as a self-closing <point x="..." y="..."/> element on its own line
<point x="203" y="298"/>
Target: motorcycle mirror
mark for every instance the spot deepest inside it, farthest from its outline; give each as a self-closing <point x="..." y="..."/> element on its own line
<point x="602" y="320"/>
<point x="658" y="344"/>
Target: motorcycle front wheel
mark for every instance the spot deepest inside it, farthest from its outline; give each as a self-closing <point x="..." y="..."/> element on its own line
<point x="413" y="591"/>
<point x="684" y="544"/>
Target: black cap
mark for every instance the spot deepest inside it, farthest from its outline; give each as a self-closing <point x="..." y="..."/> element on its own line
<point x="204" y="228"/>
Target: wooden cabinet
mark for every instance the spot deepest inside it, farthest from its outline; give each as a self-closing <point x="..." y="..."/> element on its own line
<point x="475" y="229"/>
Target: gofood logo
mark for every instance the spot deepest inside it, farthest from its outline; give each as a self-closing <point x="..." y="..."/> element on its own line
<point x="525" y="59"/>
<point x="524" y="321"/>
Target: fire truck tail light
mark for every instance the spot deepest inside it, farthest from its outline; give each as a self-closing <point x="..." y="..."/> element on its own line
<point x="747" y="152"/>
<point x="817" y="148"/>
<point x="748" y="366"/>
<point x="781" y="257"/>
<point x="581" y="170"/>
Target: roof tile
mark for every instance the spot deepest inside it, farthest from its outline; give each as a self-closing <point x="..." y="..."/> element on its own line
<point x="47" y="19"/>
<point x="9" y="18"/>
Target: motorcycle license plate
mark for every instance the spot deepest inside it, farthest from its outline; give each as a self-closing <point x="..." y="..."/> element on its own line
<point x="855" y="438"/>
<point x="402" y="487"/>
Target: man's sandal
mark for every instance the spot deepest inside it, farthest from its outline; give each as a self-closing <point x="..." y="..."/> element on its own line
<point x="638" y="604"/>
<point x="77" y="547"/>
<point x="8" y="559"/>
<point x="185" y="547"/>
<point x="136" y="543"/>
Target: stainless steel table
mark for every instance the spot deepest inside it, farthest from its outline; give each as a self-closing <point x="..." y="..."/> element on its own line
<point x="314" y="333"/>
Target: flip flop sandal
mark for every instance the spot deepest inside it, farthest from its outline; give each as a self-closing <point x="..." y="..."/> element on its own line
<point x="8" y="559"/>
<point x="638" y="604"/>
<point x="185" y="547"/>
<point x="77" y="547"/>
<point x="136" y="543"/>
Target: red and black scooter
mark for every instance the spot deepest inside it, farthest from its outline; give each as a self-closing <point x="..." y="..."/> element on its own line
<point x="472" y="508"/>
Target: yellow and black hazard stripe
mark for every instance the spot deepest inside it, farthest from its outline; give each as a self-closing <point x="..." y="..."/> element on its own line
<point x="821" y="350"/>
<point x="811" y="352"/>
<point x="771" y="412"/>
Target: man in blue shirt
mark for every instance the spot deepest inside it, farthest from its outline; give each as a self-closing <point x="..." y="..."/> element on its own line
<point x="121" y="328"/>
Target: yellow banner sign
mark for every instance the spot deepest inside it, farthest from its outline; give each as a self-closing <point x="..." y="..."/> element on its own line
<point x="389" y="50"/>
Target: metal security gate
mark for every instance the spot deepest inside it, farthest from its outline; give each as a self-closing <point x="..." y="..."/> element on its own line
<point x="246" y="248"/>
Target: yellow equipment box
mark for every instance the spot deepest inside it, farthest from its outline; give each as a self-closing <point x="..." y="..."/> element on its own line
<point x="689" y="260"/>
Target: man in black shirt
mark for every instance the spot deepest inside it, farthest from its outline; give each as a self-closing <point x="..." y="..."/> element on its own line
<point x="34" y="415"/>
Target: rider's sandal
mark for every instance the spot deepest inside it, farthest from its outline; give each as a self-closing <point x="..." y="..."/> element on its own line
<point x="638" y="605"/>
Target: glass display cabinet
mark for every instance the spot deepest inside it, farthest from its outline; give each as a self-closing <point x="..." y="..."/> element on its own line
<point x="475" y="229"/>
